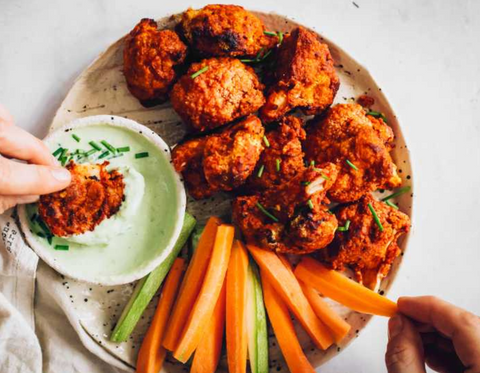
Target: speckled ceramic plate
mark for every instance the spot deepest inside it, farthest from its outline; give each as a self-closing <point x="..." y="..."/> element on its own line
<point x="101" y="89"/>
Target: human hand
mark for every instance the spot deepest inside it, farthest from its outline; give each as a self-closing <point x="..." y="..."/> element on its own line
<point x="432" y="331"/>
<point x="21" y="182"/>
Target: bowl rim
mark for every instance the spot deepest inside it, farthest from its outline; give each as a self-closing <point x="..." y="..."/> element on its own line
<point x="180" y="195"/>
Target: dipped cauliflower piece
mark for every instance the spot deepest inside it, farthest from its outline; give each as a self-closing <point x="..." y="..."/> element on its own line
<point x="93" y="195"/>
<point x="224" y="31"/>
<point x="303" y="77"/>
<point x="150" y="58"/>
<point x="215" y="92"/>
<point x="365" y="247"/>
<point x="221" y="161"/>
<point x="282" y="158"/>
<point x="292" y="218"/>
<point x="359" y="145"/>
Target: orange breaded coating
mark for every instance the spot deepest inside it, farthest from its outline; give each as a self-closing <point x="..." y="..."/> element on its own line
<point x="187" y="158"/>
<point x="282" y="159"/>
<point x="347" y="134"/>
<point x="304" y="77"/>
<point x="363" y="247"/>
<point x="231" y="156"/>
<point x="296" y="219"/>
<point x="150" y="58"/>
<point x="224" y="31"/>
<point x="221" y="161"/>
<point x="93" y="195"/>
<point x="225" y="91"/>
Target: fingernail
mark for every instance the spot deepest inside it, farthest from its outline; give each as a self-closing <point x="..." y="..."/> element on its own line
<point x="395" y="326"/>
<point x="61" y="174"/>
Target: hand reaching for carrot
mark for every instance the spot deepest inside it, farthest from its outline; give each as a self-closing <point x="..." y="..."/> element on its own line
<point x="430" y="331"/>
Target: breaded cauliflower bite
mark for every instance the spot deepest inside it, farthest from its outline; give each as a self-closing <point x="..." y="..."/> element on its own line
<point x="93" y="195"/>
<point x="187" y="159"/>
<point x="364" y="247"/>
<point x="231" y="156"/>
<point x="150" y="58"/>
<point x="221" y="161"/>
<point x="282" y="158"/>
<point x="292" y="218"/>
<point x="304" y="77"/>
<point x="224" y="31"/>
<point x="359" y="145"/>
<point x="215" y="92"/>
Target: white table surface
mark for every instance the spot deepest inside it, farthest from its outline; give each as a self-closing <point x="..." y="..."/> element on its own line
<point x="425" y="55"/>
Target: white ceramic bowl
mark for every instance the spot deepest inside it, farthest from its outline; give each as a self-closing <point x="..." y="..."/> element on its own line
<point x="103" y="265"/>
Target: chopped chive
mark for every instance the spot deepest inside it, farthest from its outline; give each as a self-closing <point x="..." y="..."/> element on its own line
<point x="43" y="226"/>
<point x="108" y="146"/>
<point x="345" y="228"/>
<point x="76" y="138"/>
<point x="278" y="161"/>
<point x="265" y="140"/>
<point x="57" y="152"/>
<point x="259" y="54"/>
<point x="330" y="212"/>
<point x="280" y="38"/>
<point x="90" y="152"/>
<point x="351" y="165"/>
<point x="63" y="160"/>
<point x="199" y="72"/>
<point x="265" y="211"/>
<point x="61" y="247"/>
<point x="377" y="114"/>
<point x="321" y="173"/>
<point x="397" y="193"/>
<point x="271" y="33"/>
<point x="141" y="155"/>
<point x="94" y="145"/>
<point x="312" y="163"/>
<point x="310" y="204"/>
<point x="260" y="171"/>
<point x="104" y="154"/>
<point x="266" y="55"/>
<point x="123" y="149"/>
<point x="305" y="183"/>
<point x="375" y="217"/>
<point x="63" y="154"/>
<point x="391" y="204"/>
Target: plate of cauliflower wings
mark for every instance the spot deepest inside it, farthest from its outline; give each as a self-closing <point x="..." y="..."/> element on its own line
<point x="273" y="128"/>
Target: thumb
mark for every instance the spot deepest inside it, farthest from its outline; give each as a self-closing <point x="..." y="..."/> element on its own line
<point x="404" y="349"/>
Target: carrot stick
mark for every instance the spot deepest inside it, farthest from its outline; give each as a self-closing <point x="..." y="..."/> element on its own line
<point x="207" y="298"/>
<point x="284" y="331"/>
<point x="336" y="286"/>
<point x="152" y="354"/>
<point x="191" y="284"/>
<point x="338" y="326"/>
<point x="236" y="309"/>
<point x="286" y="285"/>
<point x="209" y="350"/>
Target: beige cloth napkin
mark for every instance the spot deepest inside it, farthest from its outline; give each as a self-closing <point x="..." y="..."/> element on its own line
<point x="39" y="329"/>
